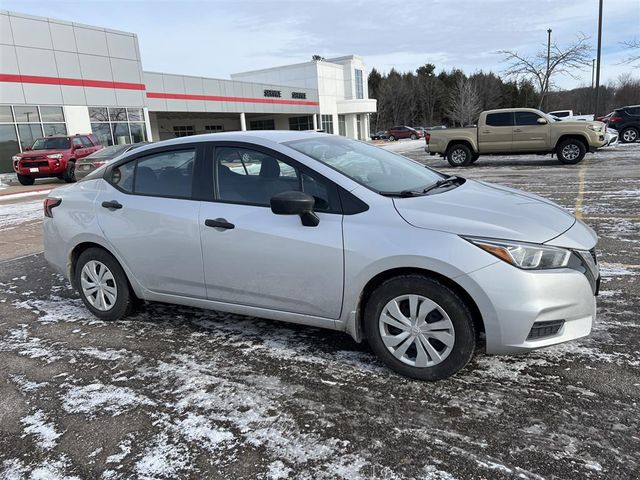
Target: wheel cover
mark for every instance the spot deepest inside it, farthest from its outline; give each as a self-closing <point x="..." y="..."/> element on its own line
<point x="416" y="330"/>
<point x="458" y="155"/>
<point x="629" y="135"/>
<point x="571" y="151"/>
<point x="98" y="285"/>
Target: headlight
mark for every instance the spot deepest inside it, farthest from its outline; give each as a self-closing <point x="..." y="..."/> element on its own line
<point x="15" y="158"/>
<point x="529" y="256"/>
<point x="596" y="128"/>
<point x="55" y="156"/>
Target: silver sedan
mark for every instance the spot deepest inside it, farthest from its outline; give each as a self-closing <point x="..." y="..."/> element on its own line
<point x="325" y="231"/>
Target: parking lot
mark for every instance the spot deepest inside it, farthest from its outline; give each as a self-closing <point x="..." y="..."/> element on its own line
<point x="199" y="394"/>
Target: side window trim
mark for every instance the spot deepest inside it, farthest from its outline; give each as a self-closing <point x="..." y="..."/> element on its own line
<point x="198" y="149"/>
<point x="212" y="193"/>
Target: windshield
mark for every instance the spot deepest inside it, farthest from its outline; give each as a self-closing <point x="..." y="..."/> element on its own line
<point x="52" y="143"/>
<point x="373" y="167"/>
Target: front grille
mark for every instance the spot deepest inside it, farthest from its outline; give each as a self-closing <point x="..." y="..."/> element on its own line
<point x="545" y="329"/>
<point x="36" y="157"/>
<point x="35" y="164"/>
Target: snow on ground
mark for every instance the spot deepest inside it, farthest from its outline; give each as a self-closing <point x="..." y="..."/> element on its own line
<point x="15" y="214"/>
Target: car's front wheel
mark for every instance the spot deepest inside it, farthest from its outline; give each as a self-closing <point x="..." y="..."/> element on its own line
<point x="103" y="285"/>
<point x="391" y="138"/>
<point x="69" y="174"/>
<point x="419" y="327"/>
<point x="26" y="179"/>
<point x="571" y="151"/>
<point x="629" y="135"/>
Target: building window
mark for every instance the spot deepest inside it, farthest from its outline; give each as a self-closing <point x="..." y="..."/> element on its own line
<point x="359" y="84"/>
<point x="301" y="123"/>
<point x="20" y="125"/>
<point x="184" y="130"/>
<point x="342" y="125"/>
<point x="269" y="124"/>
<point x="213" y="128"/>
<point x="117" y="125"/>
<point x="327" y="123"/>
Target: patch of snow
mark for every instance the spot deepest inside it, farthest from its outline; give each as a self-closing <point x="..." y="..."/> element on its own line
<point x="277" y="470"/>
<point x="45" y="432"/>
<point x="125" y="449"/>
<point x="16" y="214"/>
<point x="98" y="397"/>
<point x="163" y="459"/>
<point x="197" y="428"/>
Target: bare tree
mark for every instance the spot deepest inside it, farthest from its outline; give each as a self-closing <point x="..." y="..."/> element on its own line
<point x="566" y="61"/>
<point x="634" y="56"/>
<point x="464" y="102"/>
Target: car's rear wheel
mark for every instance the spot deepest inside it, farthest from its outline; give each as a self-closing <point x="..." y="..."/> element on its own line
<point x="69" y="174"/>
<point x="419" y="327"/>
<point x="459" y="155"/>
<point x="26" y="179"/>
<point x="391" y="138"/>
<point x="629" y="135"/>
<point x="103" y="285"/>
<point x="571" y="151"/>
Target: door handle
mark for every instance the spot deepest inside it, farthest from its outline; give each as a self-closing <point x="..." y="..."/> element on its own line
<point x="517" y="130"/>
<point x="112" y="205"/>
<point x="219" y="224"/>
<point x="486" y="131"/>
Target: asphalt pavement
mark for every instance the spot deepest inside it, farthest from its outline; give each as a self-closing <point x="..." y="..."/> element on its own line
<point x="176" y="392"/>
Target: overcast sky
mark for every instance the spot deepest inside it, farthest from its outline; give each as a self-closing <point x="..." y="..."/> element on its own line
<point x="218" y="37"/>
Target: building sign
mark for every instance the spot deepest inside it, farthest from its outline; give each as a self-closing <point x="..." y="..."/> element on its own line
<point x="273" y="93"/>
<point x="301" y="95"/>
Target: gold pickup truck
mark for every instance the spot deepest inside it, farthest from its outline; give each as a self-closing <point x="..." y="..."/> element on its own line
<point x="514" y="131"/>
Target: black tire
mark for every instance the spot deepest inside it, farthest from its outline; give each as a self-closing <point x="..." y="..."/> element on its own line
<point x="571" y="151"/>
<point x="413" y="137"/>
<point x="474" y="158"/>
<point x="26" y="179"/>
<point x="125" y="299"/>
<point x="629" y="135"/>
<point x="464" y="331"/>
<point x="459" y="155"/>
<point x="391" y="138"/>
<point x="69" y="174"/>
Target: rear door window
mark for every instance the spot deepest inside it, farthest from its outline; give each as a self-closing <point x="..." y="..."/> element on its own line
<point x="502" y="119"/>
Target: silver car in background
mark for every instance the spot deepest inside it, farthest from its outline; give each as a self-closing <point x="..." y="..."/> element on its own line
<point x="326" y="231"/>
<point x="96" y="160"/>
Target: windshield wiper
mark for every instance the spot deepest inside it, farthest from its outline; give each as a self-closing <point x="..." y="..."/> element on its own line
<point x="443" y="182"/>
<point x="403" y="193"/>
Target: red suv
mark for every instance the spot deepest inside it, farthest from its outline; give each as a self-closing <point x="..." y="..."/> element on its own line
<point x="394" y="133"/>
<point x="53" y="157"/>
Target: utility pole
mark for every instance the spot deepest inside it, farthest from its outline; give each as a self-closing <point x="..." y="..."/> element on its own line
<point x="596" y="106"/>
<point x="548" y="61"/>
<point x="593" y="72"/>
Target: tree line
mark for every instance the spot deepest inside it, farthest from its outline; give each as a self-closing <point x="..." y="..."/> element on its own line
<point x="452" y="98"/>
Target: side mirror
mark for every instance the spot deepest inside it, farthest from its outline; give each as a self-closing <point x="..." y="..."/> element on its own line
<point x="542" y="121"/>
<point x="295" y="203"/>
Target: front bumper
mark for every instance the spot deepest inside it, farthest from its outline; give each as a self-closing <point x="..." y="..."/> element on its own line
<point x="519" y="307"/>
<point x="44" y="167"/>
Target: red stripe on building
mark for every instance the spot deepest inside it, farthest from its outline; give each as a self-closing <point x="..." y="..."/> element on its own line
<point x="74" y="82"/>
<point x="216" y="98"/>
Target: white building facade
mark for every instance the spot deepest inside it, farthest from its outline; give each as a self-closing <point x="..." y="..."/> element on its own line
<point x="62" y="78"/>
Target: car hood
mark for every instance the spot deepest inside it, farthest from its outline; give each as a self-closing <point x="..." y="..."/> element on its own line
<point x="485" y="210"/>
<point x="40" y="153"/>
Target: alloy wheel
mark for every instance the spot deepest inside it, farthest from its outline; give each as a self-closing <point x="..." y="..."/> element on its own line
<point x="629" y="136"/>
<point x="571" y="151"/>
<point x="98" y="285"/>
<point x="416" y="330"/>
<point x="458" y="156"/>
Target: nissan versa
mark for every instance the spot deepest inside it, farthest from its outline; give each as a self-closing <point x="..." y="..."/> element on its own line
<point x="325" y="231"/>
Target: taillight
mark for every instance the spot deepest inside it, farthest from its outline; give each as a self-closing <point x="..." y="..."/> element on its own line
<point x="427" y="137"/>
<point x="50" y="204"/>
<point x="615" y="119"/>
<point x="98" y="164"/>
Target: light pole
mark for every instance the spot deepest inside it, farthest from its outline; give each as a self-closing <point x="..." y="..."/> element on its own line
<point x="596" y="106"/>
<point x="593" y="72"/>
<point x="546" y="90"/>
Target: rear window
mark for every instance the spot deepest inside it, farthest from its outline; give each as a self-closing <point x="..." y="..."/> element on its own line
<point x="633" y="110"/>
<point x="57" y="143"/>
<point x="110" y="152"/>
<point x="502" y="119"/>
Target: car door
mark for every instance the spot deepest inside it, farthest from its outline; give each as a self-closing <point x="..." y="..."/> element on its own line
<point x="496" y="135"/>
<point x="88" y="147"/>
<point x="78" y="148"/>
<point x="256" y="258"/>
<point x="147" y="213"/>
<point x="528" y="134"/>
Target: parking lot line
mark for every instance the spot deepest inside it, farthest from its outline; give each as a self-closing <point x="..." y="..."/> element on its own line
<point x="581" y="182"/>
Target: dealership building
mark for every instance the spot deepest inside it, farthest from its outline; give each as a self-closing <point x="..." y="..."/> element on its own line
<point x="59" y="78"/>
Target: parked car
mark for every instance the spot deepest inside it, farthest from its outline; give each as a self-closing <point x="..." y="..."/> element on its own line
<point x="626" y="120"/>
<point x="97" y="159"/>
<point x="513" y="131"/>
<point x="611" y="137"/>
<point x="570" y="115"/>
<point x="396" y="133"/>
<point x="381" y="135"/>
<point x="53" y="157"/>
<point x="604" y="118"/>
<point x="330" y="232"/>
